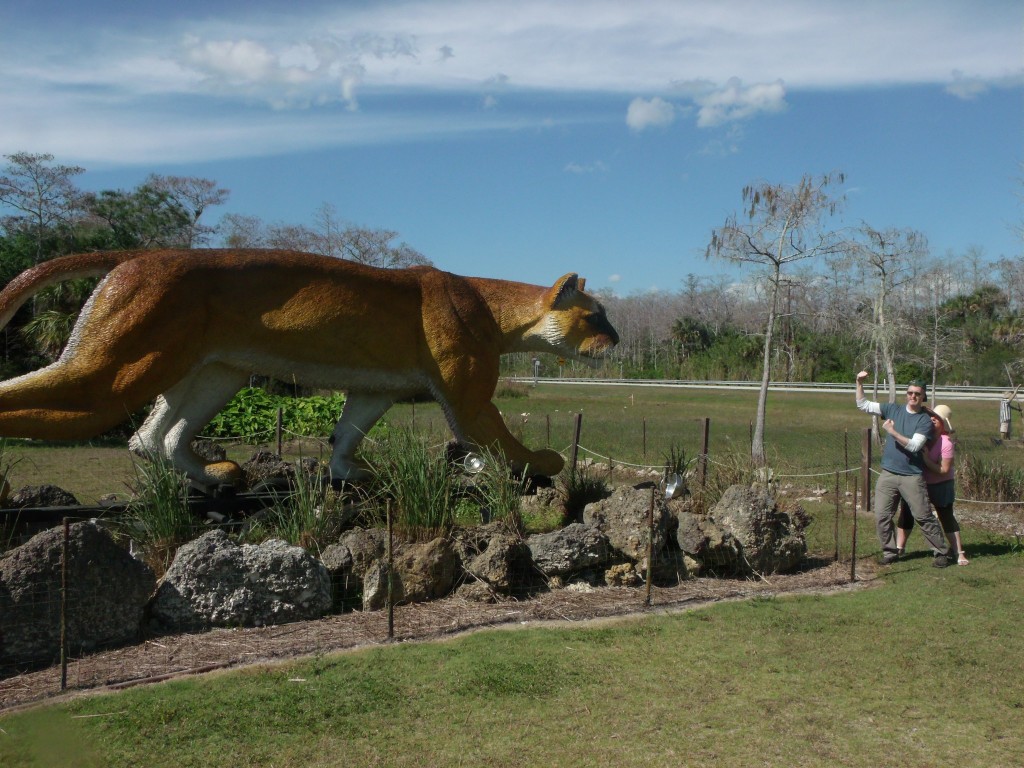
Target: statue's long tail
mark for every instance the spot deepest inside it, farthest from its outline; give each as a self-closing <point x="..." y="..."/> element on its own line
<point x="43" y="275"/>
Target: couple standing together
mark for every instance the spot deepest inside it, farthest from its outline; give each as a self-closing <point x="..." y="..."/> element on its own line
<point x="917" y="467"/>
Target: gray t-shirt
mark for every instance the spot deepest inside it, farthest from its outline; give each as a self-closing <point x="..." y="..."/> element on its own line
<point x="895" y="457"/>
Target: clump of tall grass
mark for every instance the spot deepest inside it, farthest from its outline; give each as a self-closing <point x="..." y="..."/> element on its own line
<point x="309" y="516"/>
<point x="417" y="481"/>
<point x="500" y="492"/>
<point x="988" y="480"/>
<point x="578" y="486"/>
<point x="729" y="468"/>
<point x="9" y="522"/>
<point x="511" y="390"/>
<point x="158" y="517"/>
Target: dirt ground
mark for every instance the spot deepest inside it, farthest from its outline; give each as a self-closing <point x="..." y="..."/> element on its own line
<point x="168" y="656"/>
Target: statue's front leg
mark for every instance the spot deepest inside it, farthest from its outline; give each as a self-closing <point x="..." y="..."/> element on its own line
<point x="486" y="429"/>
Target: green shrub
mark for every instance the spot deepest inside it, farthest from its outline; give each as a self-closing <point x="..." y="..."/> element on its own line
<point x="252" y="413"/>
<point x="988" y="480"/>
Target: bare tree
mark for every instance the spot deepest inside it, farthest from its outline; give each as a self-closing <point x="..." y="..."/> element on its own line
<point x="782" y="225"/>
<point x="43" y="194"/>
<point x="888" y="258"/>
<point x="329" y="236"/>
<point x="192" y="195"/>
<point x="240" y="231"/>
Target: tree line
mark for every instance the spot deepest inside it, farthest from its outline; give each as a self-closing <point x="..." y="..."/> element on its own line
<point x="810" y="302"/>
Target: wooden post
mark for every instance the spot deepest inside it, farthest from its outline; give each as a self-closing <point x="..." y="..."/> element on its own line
<point x="576" y="442"/>
<point x="702" y="461"/>
<point x="65" y="549"/>
<point x="650" y="547"/>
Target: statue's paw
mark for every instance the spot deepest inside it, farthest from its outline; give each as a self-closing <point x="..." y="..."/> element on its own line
<point x="221" y="473"/>
<point x="546" y="462"/>
<point x="348" y="472"/>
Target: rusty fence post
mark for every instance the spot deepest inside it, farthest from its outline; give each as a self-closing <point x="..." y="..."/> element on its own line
<point x="65" y="554"/>
<point x="391" y="571"/>
<point x="650" y="547"/>
<point x="702" y="461"/>
<point x="576" y="443"/>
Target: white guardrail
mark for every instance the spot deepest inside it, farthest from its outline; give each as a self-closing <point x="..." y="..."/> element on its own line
<point x="952" y="392"/>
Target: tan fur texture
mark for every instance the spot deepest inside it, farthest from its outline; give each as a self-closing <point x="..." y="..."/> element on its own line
<point x="189" y="327"/>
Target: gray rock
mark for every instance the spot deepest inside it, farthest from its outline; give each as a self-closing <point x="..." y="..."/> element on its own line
<point x="771" y="542"/>
<point x="215" y="582"/>
<point x="350" y="559"/>
<point x="497" y="556"/>
<point x="624" y="517"/>
<point x="706" y="546"/>
<point x="423" y="571"/>
<point x="107" y="593"/>
<point x="569" y="550"/>
<point x="40" y="496"/>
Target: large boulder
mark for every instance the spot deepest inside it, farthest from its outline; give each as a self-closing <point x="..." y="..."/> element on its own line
<point x="745" y="532"/>
<point x="37" y="496"/>
<point x="496" y="556"/>
<point x="707" y="547"/>
<point x="624" y="517"/>
<point x="570" y="550"/>
<point x="107" y="591"/>
<point x="215" y="582"/>
<point x="422" y="572"/>
<point x="350" y="560"/>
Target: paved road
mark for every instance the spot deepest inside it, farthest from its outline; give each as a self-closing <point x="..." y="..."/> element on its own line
<point x="946" y="392"/>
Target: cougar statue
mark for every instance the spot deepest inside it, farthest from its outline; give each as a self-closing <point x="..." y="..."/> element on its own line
<point x="188" y="328"/>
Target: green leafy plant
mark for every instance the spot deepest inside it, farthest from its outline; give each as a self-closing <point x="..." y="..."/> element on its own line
<point x="252" y="412"/>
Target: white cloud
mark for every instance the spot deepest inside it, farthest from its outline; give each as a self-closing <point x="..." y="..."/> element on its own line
<point x="724" y="62"/>
<point x="614" y="278"/>
<point x="645" y="113"/>
<point x="738" y="102"/>
<point x="596" y="166"/>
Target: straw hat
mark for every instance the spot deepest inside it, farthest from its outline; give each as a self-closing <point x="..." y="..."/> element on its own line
<point x="944" y="412"/>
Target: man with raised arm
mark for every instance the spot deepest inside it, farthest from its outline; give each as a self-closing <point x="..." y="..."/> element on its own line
<point x="908" y="427"/>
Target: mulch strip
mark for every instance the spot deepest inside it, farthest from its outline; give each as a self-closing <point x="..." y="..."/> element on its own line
<point x="168" y="656"/>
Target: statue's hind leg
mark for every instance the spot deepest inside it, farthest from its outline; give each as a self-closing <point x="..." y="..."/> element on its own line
<point x="181" y="412"/>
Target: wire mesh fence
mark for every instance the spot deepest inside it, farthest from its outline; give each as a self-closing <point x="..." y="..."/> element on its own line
<point x="818" y="479"/>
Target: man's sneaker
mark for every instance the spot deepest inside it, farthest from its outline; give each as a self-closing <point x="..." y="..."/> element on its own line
<point x="889" y="558"/>
<point x="941" y="561"/>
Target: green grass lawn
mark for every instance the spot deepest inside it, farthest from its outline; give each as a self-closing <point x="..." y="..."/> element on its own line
<point x="924" y="670"/>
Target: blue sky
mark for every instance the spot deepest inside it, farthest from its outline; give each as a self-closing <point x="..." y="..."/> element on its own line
<point x="525" y="140"/>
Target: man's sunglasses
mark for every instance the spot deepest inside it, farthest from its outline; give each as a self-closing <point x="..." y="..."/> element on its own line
<point x="911" y="393"/>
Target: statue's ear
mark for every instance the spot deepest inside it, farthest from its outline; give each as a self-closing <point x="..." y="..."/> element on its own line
<point x="565" y="289"/>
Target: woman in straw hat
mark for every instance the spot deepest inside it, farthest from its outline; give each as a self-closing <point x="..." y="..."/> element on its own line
<point x="938" y="475"/>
